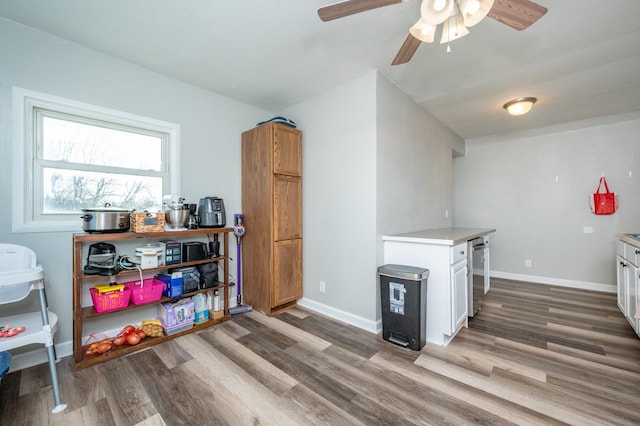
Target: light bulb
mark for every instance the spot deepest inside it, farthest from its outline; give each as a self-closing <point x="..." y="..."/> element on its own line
<point x="438" y="5"/>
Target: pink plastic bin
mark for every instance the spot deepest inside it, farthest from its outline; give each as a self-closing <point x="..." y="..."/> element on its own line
<point x="150" y="291"/>
<point x="110" y="301"/>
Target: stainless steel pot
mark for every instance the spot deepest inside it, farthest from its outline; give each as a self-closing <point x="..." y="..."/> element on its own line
<point x="106" y="219"/>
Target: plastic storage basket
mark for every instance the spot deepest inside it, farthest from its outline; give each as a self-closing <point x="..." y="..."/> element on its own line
<point x="113" y="301"/>
<point x="148" y="292"/>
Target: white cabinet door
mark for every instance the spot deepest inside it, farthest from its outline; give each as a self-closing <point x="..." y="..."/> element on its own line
<point x="459" y="294"/>
<point x="632" y="296"/>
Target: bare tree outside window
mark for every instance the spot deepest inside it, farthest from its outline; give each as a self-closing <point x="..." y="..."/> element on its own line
<point x="85" y="165"/>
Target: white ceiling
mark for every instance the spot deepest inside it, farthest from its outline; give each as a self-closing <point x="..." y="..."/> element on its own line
<point x="581" y="60"/>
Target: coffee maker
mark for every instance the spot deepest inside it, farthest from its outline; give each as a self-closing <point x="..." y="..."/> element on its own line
<point x="194" y="219"/>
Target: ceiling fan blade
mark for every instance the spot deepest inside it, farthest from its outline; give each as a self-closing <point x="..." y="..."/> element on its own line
<point x="407" y="50"/>
<point x="518" y="14"/>
<point x="351" y="7"/>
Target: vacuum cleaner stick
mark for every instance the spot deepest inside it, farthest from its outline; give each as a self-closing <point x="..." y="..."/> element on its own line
<point x="238" y="231"/>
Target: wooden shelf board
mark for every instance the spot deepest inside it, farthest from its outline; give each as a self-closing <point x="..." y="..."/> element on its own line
<point x="89" y="360"/>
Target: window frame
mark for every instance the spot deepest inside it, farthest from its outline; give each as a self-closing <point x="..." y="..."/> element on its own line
<point x="26" y="105"/>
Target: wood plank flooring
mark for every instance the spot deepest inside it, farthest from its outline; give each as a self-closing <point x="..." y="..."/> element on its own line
<point x="534" y="355"/>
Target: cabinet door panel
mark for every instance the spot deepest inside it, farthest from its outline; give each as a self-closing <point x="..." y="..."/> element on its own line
<point x="287" y="206"/>
<point x="632" y="298"/>
<point x="287" y="158"/>
<point x="459" y="294"/>
<point x="287" y="272"/>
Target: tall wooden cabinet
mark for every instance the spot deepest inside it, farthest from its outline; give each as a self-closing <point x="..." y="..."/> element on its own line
<point x="272" y="209"/>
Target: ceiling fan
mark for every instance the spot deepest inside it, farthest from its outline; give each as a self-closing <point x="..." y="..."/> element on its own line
<point x="454" y="15"/>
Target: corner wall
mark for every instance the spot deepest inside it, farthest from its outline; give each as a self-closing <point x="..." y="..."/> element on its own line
<point x="374" y="162"/>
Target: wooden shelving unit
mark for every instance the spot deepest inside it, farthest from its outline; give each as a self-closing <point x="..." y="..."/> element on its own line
<point x="80" y="279"/>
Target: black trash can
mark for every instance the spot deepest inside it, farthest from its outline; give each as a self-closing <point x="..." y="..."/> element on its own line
<point x="403" y="294"/>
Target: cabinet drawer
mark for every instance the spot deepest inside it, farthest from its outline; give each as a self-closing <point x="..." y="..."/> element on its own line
<point x="628" y="252"/>
<point x="458" y="252"/>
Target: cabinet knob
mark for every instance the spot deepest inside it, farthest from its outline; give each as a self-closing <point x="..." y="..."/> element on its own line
<point x="637" y="251"/>
<point x="624" y="265"/>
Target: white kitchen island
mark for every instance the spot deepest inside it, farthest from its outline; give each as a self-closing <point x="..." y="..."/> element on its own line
<point x="443" y="252"/>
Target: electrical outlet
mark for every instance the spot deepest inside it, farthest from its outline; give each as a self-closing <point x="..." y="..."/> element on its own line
<point x="527" y="263"/>
<point x="323" y="287"/>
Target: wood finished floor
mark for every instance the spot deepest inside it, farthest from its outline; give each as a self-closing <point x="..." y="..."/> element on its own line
<point x="535" y="355"/>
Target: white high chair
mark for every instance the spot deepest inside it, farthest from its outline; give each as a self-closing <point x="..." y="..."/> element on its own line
<point x="19" y="276"/>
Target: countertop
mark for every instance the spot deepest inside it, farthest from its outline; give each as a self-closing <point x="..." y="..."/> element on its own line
<point x="633" y="239"/>
<point x="442" y="236"/>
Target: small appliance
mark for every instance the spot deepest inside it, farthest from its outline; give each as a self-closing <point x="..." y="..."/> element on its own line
<point x="194" y="219"/>
<point x="149" y="255"/>
<point x="106" y="219"/>
<point x="101" y="259"/>
<point x="211" y="212"/>
<point x="176" y="212"/>
<point x="193" y="251"/>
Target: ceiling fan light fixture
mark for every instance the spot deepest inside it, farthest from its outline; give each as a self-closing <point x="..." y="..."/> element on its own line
<point x="423" y="31"/>
<point x="453" y="28"/>
<point x="434" y="12"/>
<point x="474" y="11"/>
<point x="519" y="106"/>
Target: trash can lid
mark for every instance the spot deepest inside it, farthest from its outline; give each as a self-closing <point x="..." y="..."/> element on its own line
<point x="404" y="272"/>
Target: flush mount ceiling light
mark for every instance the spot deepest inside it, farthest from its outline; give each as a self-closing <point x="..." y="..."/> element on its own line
<point x="519" y="106"/>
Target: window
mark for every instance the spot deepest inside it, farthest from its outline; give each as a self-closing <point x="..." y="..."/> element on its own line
<point x="70" y="156"/>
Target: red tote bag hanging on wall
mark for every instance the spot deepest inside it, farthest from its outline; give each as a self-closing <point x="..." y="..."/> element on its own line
<point x="604" y="202"/>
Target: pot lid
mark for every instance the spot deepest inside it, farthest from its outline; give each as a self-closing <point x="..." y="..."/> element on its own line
<point x="106" y="208"/>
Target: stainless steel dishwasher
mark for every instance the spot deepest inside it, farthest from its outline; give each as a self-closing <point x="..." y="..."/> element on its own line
<point x="478" y="275"/>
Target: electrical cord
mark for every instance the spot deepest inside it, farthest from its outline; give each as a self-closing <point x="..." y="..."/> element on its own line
<point x="125" y="263"/>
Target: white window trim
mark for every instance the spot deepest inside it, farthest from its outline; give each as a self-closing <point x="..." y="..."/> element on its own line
<point x="24" y="101"/>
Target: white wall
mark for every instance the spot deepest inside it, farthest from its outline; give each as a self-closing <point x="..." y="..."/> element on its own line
<point x="339" y="198"/>
<point x="414" y="165"/>
<point x="210" y="134"/>
<point x="535" y="190"/>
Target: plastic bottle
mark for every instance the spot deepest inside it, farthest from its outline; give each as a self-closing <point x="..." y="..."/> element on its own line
<point x="210" y="300"/>
<point x="216" y="301"/>
<point x="202" y="313"/>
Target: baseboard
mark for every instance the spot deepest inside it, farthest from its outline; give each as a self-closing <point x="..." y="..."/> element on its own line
<point x="337" y="314"/>
<point x="586" y="285"/>
<point x="39" y="356"/>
